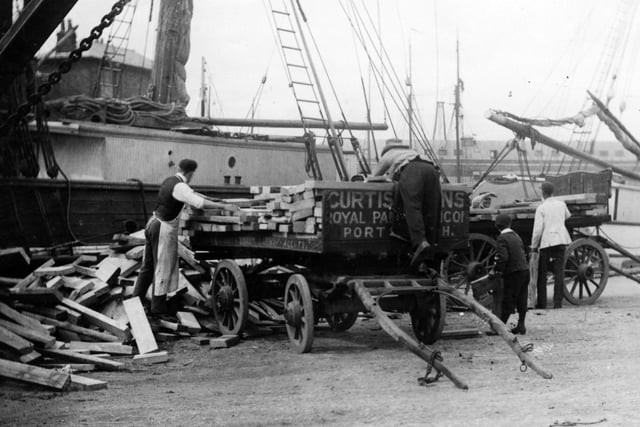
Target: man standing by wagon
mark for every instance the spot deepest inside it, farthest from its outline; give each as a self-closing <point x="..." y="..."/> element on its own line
<point x="550" y="237"/>
<point x="417" y="193"/>
<point x="160" y="262"/>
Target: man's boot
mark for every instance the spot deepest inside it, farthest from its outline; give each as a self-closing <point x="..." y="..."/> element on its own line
<point x="520" y="329"/>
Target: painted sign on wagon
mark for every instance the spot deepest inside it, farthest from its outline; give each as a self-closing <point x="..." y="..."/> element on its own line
<point x="356" y="214"/>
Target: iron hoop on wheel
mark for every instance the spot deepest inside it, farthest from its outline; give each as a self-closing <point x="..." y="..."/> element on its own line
<point x="586" y="271"/>
<point x="298" y="313"/>
<point x="229" y="298"/>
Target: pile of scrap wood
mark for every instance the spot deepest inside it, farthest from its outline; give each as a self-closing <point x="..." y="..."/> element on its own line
<point x="291" y="209"/>
<point x="580" y="205"/>
<point x="78" y="315"/>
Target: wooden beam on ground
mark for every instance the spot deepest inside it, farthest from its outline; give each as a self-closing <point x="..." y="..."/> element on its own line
<point x="225" y="341"/>
<point x="91" y="333"/>
<point x="189" y="321"/>
<point x="52" y="378"/>
<point x="21" y="319"/>
<point x="151" y="358"/>
<point x="83" y="383"/>
<point x="30" y="357"/>
<point x="101" y="347"/>
<point x="109" y="365"/>
<point x="32" y="335"/>
<point x="16" y="342"/>
<point x="141" y="329"/>
<point x="98" y="319"/>
<point x="40" y="296"/>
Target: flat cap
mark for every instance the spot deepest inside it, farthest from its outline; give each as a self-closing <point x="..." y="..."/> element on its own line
<point x="188" y="165"/>
<point x="503" y="221"/>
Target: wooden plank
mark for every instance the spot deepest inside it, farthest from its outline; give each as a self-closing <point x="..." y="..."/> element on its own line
<point x="151" y="358"/>
<point x="54" y="283"/>
<point x="108" y="273"/>
<point x="201" y="340"/>
<point x="30" y="357"/>
<point x="166" y="337"/>
<point x="141" y="329"/>
<point x="72" y="316"/>
<point x="74" y="367"/>
<point x="461" y="333"/>
<point x="52" y="378"/>
<point x="20" y="252"/>
<point x="83" y="383"/>
<point x="106" y="364"/>
<point x="98" y="319"/>
<point x="189" y="321"/>
<point x="171" y="326"/>
<point x="9" y="281"/>
<point x="86" y="271"/>
<point x="16" y="342"/>
<point x="61" y="270"/>
<point x="225" y="341"/>
<point x="22" y="284"/>
<point x="136" y="253"/>
<point x="191" y="290"/>
<point x="91" y="333"/>
<point x="101" y="347"/>
<point x="30" y="334"/>
<point x="77" y="284"/>
<point x="21" y="319"/>
<point x="93" y="295"/>
<point x="41" y="296"/>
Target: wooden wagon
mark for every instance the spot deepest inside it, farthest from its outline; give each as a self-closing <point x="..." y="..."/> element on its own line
<point x="586" y="263"/>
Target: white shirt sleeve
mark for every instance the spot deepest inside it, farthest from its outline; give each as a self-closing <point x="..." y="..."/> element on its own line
<point x="182" y="192"/>
<point x="538" y="226"/>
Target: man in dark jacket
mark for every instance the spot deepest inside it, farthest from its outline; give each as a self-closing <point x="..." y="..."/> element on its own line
<point x="417" y="193"/>
<point x="511" y="262"/>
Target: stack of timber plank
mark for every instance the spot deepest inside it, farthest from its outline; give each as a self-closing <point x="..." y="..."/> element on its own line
<point x="77" y="316"/>
<point x="290" y="209"/>
<point x="580" y="205"/>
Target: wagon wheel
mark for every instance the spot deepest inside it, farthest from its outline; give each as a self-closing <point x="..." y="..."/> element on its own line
<point x="428" y="321"/>
<point x="229" y="298"/>
<point x="341" y="321"/>
<point x="586" y="270"/>
<point x="464" y="265"/>
<point x="298" y="313"/>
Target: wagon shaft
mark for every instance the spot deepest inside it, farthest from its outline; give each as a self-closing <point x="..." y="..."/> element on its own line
<point x="363" y="288"/>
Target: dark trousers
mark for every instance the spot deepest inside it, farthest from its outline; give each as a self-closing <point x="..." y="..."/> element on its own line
<point x="418" y="195"/>
<point x="551" y="258"/>
<point x="147" y="271"/>
<point x="515" y="293"/>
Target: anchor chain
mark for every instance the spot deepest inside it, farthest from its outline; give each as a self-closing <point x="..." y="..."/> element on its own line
<point x="65" y="66"/>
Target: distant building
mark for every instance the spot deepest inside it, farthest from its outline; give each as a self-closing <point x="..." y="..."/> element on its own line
<point x="84" y="74"/>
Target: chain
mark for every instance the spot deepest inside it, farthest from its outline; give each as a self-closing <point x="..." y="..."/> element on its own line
<point x="65" y="66"/>
<point x="430" y="366"/>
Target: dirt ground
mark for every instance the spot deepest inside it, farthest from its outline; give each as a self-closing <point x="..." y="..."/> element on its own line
<point x="363" y="377"/>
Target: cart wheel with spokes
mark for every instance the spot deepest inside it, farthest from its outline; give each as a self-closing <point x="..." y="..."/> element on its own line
<point x="586" y="270"/>
<point x="340" y="322"/>
<point x="465" y="264"/>
<point x="298" y="313"/>
<point x="428" y="320"/>
<point x="229" y="298"/>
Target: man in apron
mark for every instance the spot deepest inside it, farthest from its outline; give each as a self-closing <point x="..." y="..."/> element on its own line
<point x="160" y="262"/>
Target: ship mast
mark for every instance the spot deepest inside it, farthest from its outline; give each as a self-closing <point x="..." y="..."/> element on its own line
<point x="457" y="112"/>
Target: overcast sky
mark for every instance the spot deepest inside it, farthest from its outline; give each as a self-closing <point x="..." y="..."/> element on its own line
<point x="531" y="58"/>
